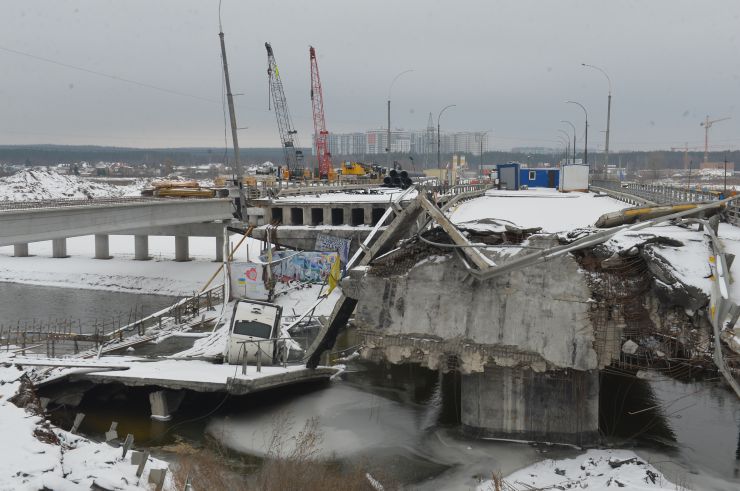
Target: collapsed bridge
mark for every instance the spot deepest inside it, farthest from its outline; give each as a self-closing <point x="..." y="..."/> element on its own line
<point x="529" y="317"/>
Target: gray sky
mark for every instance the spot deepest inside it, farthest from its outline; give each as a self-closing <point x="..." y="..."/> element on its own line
<point x="507" y="65"/>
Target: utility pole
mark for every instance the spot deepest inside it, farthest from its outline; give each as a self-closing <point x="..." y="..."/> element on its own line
<point x="724" y="193"/>
<point x="234" y="137"/>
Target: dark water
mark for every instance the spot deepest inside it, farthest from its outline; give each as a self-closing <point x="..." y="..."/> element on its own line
<point x="29" y="304"/>
<point x="400" y="420"/>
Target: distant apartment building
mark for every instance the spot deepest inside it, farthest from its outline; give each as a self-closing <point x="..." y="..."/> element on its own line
<point x="421" y="142"/>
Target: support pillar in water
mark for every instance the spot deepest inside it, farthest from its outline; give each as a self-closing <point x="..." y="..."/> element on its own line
<point x="59" y="248"/>
<point x="102" y="250"/>
<point x="558" y="406"/>
<point x="20" y="250"/>
<point x="181" y="248"/>
<point x="141" y="247"/>
<point x="219" y="248"/>
<point x="164" y="402"/>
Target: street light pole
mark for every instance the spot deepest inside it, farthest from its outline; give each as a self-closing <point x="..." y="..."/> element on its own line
<point x="585" y="145"/>
<point x="390" y="87"/>
<point x="567" y="143"/>
<point x="608" y="112"/>
<point x="574" y="137"/>
<point x="439" y="139"/>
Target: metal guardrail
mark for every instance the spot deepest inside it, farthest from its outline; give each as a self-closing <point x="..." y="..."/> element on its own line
<point x="661" y="194"/>
<point x="658" y="193"/>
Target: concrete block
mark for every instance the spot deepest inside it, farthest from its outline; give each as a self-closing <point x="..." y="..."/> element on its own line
<point x="156" y="477"/>
<point x="20" y="250"/>
<point x="112" y="434"/>
<point x="78" y="420"/>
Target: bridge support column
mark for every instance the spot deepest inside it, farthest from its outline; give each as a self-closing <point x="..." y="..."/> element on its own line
<point x="59" y="248"/>
<point x="141" y="247"/>
<point x="102" y="249"/>
<point x="219" y="248"/>
<point x="20" y="250"/>
<point x="327" y="216"/>
<point x="164" y="402"/>
<point x="182" y="248"/>
<point x="368" y="211"/>
<point x="555" y="406"/>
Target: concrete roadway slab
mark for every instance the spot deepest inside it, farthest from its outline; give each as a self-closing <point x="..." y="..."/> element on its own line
<point x="203" y="376"/>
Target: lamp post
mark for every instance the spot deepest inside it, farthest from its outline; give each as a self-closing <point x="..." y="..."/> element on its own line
<point x="390" y="87"/>
<point x="608" y="112"/>
<point x="567" y="143"/>
<point x="585" y="145"/>
<point x="574" y="137"/>
<point x="439" y="139"/>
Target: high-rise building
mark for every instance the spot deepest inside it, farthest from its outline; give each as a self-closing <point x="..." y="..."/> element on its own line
<point x="420" y="142"/>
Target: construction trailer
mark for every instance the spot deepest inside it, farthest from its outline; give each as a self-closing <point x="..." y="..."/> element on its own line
<point x="574" y="177"/>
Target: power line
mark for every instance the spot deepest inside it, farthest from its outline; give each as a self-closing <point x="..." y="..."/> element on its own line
<point x="107" y="75"/>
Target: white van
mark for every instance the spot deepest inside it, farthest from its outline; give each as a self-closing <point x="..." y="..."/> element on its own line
<point x="254" y="321"/>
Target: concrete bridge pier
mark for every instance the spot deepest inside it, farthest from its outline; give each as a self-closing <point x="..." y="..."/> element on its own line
<point x="182" y="253"/>
<point x="219" y="248"/>
<point x="59" y="248"/>
<point x="164" y="402"/>
<point x="141" y="248"/>
<point x="521" y="404"/>
<point x="20" y="250"/>
<point x="102" y="249"/>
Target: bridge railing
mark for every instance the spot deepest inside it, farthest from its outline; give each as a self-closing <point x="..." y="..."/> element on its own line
<point x="64" y="203"/>
<point x="186" y="309"/>
<point x="664" y="194"/>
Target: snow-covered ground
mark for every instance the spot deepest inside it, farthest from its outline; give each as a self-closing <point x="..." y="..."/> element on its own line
<point x="37" y="456"/>
<point x="39" y="184"/>
<point x="546" y="208"/>
<point x="595" y="470"/>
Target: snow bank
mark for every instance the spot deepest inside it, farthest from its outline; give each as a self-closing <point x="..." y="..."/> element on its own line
<point x="595" y="470"/>
<point x="75" y="463"/>
<point x="39" y="184"/>
<point x="546" y="208"/>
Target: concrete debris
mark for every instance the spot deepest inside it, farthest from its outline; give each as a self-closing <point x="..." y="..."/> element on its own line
<point x="630" y="347"/>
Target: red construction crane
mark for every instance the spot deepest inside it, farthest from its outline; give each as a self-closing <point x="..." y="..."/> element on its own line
<point x="319" y="122"/>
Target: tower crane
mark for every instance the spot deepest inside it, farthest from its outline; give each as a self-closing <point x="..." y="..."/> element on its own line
<point x="288" y="135"/>
<point x="319" y="122"/>
<point x="707" y="123"/>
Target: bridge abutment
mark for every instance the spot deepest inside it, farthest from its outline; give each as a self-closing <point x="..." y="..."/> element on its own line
<point x="521" y="404"/>
<point x="20" y="250"/>
<point x="59" y="248"/>
<point x="102" y="247"/>
<point x="182" y="248"/>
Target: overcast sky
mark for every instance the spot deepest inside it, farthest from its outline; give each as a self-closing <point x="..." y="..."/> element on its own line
<point x="507" y="65"/>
